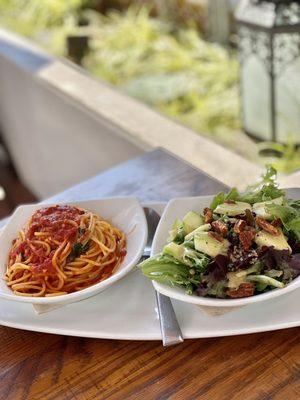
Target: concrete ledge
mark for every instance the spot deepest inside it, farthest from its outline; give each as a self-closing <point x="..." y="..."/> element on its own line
<point x="147" y="127"/>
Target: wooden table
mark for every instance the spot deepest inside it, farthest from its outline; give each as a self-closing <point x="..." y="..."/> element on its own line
<point x="51" y="367"/>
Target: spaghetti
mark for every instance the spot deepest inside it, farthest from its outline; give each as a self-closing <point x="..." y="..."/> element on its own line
<point x="61" y="250"/>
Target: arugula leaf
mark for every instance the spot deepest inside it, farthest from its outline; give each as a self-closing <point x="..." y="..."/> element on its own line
<point x="294" y="226"/>
<point x="270" y="174"/>
<point x="285" y="212"/>
<point x="167" y="270"/>
<point x="177" y="233"/>
<point x="233" y="194"/>
<point x="218" y="289"/>
<point x="222" y="196"/>
<point x="170" y="271"/>
<point x="198" y="260"/>
<point x="289" y="215"/>
<point x="266" y="189"/>
<point x="265" y="280"/>
<point x="218" y="199"/>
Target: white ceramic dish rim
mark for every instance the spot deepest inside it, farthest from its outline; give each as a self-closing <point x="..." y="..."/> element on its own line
<point x="54" y="322"/>
<point x="179" y="294"/>
<point x="94" y="289"/>
<point x="146" y="336"/>
<point x="133" y="281"/>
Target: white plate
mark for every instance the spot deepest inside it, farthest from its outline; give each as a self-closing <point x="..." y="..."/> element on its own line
<point x="128" y="311"/>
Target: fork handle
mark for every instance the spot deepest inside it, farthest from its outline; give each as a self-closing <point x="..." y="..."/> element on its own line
<point x="170" y="330"/>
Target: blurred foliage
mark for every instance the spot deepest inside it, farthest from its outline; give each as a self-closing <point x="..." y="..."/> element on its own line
<point x="183" y="11"/>
<point x="45" y="21"/>
<point x="174" y="71"/>
<point x="156" y="60"/>
<point x="29" y="16"/>
<point x="285" y="158"/>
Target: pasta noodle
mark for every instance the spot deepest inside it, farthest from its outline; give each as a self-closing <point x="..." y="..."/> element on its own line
<point x="61" y="250"/>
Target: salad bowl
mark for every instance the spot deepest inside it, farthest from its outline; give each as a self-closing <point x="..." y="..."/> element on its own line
<point x="176" y="210"/>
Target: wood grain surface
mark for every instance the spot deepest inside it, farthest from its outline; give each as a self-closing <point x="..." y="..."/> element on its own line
<point x="41" y="366"/>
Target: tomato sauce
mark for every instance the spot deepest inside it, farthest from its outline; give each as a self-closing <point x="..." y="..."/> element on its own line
<point x="55" y="221"/>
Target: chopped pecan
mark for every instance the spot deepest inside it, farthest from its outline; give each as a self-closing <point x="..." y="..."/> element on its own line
<point x="208" y="215"/>
<point x="266" y="226"/>
<point x="230" y="201"/>
<point x="239" y="226"/>
<point x="249" y="218"/>
<point x="277" y="222"/>
<point x="244" y="290"/>
<point x="216" y="236"/>
<point x="246" y="238"/>
<point x="220" y="227"/>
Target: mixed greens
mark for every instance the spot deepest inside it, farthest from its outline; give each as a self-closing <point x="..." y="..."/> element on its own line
<point x="243" y="244"/>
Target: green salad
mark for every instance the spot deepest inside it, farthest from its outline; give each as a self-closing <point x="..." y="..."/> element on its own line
<point x="241" y="245"/>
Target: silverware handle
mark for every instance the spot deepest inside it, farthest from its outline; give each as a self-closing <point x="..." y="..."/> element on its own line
<point x="170" y="330"/>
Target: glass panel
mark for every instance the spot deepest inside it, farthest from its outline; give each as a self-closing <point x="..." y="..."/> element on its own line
<point x="288" y="14"/>
<point x="256" y="98"/>
<point x="259" y="13"/>
<point x="287" y="70"/>
<point x="288" y="103"/>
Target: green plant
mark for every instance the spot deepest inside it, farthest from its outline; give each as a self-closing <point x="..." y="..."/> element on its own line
<point x="29" y="16"/>
<point x="45" y="21"/>
<point x="285" y="158"/>
<point x="174" y="71"/>
<point x="168" y="66"/>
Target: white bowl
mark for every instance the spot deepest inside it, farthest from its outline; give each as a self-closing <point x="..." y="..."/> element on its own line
<point x="124" y="212"/>
<point x="177" y="208"/>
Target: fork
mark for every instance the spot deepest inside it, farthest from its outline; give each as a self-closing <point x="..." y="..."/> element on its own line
<point x="170" y="330"/>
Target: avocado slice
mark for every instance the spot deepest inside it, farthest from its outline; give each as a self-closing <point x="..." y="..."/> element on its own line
<point x="202" y="228"/>
<point x="174" y="250"/>
<point x="279" y="242"/>
<point x="232" y="209"/>
<point x="235" y="280"/>
<point x="191" y="221"/>
<point x="207" y="244"/>
<point x="260" y="208"/>
<point x="238" y="277"/>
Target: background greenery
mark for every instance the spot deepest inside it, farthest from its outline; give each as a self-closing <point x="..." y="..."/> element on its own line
<point x="160" y="61"/>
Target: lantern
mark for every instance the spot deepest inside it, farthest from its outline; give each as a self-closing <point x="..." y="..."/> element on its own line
<point x="269" y="50"/>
